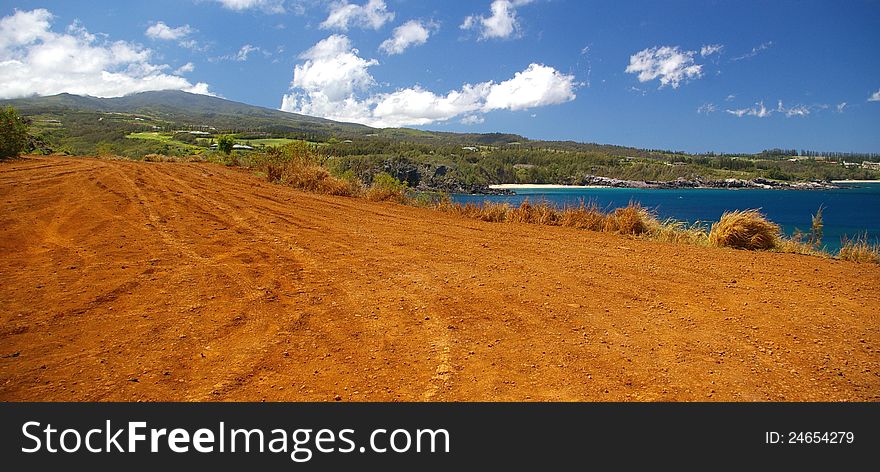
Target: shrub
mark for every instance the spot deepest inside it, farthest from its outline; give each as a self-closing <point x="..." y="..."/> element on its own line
<point x="436" y="200"/>
<point x="311" y="178"/>
<point x="859" y="250"/>
<point x="386" y="188"/>
<point x="225" y="144"/>
<point x="13" y="133"/>
<point x="747" y="229"/>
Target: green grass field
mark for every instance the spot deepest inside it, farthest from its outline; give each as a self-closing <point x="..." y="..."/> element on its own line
<point x="153" y="136"/>
<point x="164" y="138"/>
<point x="265" y="141"/>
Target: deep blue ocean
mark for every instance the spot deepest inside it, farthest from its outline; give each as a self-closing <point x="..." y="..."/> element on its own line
<point x="850" y="211"/>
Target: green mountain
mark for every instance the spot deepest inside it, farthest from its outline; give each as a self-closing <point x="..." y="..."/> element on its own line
<point x="187" y="110"/>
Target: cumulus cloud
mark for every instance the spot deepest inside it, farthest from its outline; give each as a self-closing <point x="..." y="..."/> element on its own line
<point x="411" y="33"/>
<point x="34" y="60"/>
<point x="538" y="85"/>
<point x="268" y="6"/>
<point x="160" y="30"/>
<point x="755" y="51"/>
<point x="875" y="97"/>
<point x="668" y="63"/>
<point x="371" y="15"/>
<point x="186" y="68"/>
<point x="335" y="82"/>
<point x="710" y="49"/>
<point x="473" y="120"/>
<point x="501" y="24"/>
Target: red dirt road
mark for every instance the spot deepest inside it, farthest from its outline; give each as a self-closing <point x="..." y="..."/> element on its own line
<point x="149" y="281"/>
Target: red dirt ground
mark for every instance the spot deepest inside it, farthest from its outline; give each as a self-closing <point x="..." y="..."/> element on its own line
<point x="158" y="281"/>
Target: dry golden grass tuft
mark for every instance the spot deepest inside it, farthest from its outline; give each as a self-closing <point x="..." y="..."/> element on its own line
<point x="311" y="178"/>
<point x="541" y="213"/>
<point x="494" y="212"/>
<point x="583" y="217"/>
<point x="747" y="229"/>
<point x="795" y="246"/>
<point x="672" y="231"/>
<point x="859" y="250"/>
<point x="632" y="219"/>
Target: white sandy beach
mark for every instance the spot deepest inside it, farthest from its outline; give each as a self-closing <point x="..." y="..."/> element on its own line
<point x="541" y="186"/>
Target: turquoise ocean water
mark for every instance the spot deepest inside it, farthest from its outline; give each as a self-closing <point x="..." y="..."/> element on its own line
<point x="849" y="211"/>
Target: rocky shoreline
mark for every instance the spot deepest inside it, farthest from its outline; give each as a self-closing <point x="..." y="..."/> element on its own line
<point x="606" y="182"/>
<point x="758" y="182"/>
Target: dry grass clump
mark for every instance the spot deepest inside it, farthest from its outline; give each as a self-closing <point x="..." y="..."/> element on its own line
<point x="859" y="250"/>
<point x="542" y="213"/>
<point x="468" y="210"/>
<point x="311" y="178"/>
<point x="672" y="231"/>
<point x="632" y="219"/>
<point x="796" y="246"/>
<point x="298" y="165"/>
<point x="493" y="212"/>
<point x="747" y="229"/>
<point x="583" y="217"/>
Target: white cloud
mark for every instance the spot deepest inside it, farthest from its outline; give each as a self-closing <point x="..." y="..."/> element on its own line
<point x="334" y="82"/>
<point x="707" y="108"/>
<point x="160" y="30"/>
<point x="24" y="27"/>
<point x="875" y="97"/>
<point x="186" y="68"/>
<point x="268" y="6"/>
<point x="710" y="49"/>
<point x="668" y="63"/>
<point x="841" y="107"/>
<point x="798" y="110"/>
<point x="759" y="110"/>
<point x="371" y="15"/>
<point x="37" y="61"/>
<point x="242" y="54"/>
<point x="411" y="33"/>
<point x="501" y="24"/>
<point x="473" y="120"/>
<point x="729" y="98"/>
<point x="755" y="51"/>
<point x="536" y="86"/>
<point x="333" y="71"/>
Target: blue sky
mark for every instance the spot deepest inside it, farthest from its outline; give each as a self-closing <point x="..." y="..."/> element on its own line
<point x="732" y="76"/>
